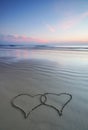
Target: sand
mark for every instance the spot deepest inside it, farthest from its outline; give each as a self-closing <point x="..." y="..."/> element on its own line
<point x="38" y="77"/>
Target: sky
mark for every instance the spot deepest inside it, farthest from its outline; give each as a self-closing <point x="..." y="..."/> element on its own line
<point x="43" y="21"/>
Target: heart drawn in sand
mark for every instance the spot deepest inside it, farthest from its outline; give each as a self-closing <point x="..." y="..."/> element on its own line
<point x="27" y="103"/>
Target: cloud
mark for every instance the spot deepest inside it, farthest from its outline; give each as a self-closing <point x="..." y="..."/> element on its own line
<point x="67" y="24"/>
<point x="72" y="22"/>
<point x="51" y="28"/>
<point x="84" y="15"/>
<point x="21" y="39"/>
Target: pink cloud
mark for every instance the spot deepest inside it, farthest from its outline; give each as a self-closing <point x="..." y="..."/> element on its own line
<point x="84" y="15"/>
<point x="72" y="22"/>
<point x="67" y="24"/>
<point x="51" y="28"/>
<point x="21" y="39"/>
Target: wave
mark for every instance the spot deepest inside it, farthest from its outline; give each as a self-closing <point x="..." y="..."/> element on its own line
<point x="50" y="47"/>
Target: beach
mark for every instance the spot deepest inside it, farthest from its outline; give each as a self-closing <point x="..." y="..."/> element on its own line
<point x="38" y="72"/>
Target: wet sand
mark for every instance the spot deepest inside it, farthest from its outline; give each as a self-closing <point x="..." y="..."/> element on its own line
<point x="37" y="76"/>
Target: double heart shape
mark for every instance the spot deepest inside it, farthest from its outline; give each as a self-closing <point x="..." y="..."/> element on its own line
<point x="43" y="101"/>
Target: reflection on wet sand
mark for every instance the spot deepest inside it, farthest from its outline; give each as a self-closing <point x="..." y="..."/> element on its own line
<point x="63" y="57"/>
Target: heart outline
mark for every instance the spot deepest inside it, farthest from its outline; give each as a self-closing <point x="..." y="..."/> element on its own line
<point x="63" y="106"/>
<point x="59" y="111"/>
<point x="19" y="108"/>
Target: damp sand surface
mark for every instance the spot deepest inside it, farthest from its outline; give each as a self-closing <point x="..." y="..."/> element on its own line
<point x="41" y="71"/>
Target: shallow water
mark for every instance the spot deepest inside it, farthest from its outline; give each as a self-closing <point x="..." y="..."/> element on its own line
<point x="39" y="71"/>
